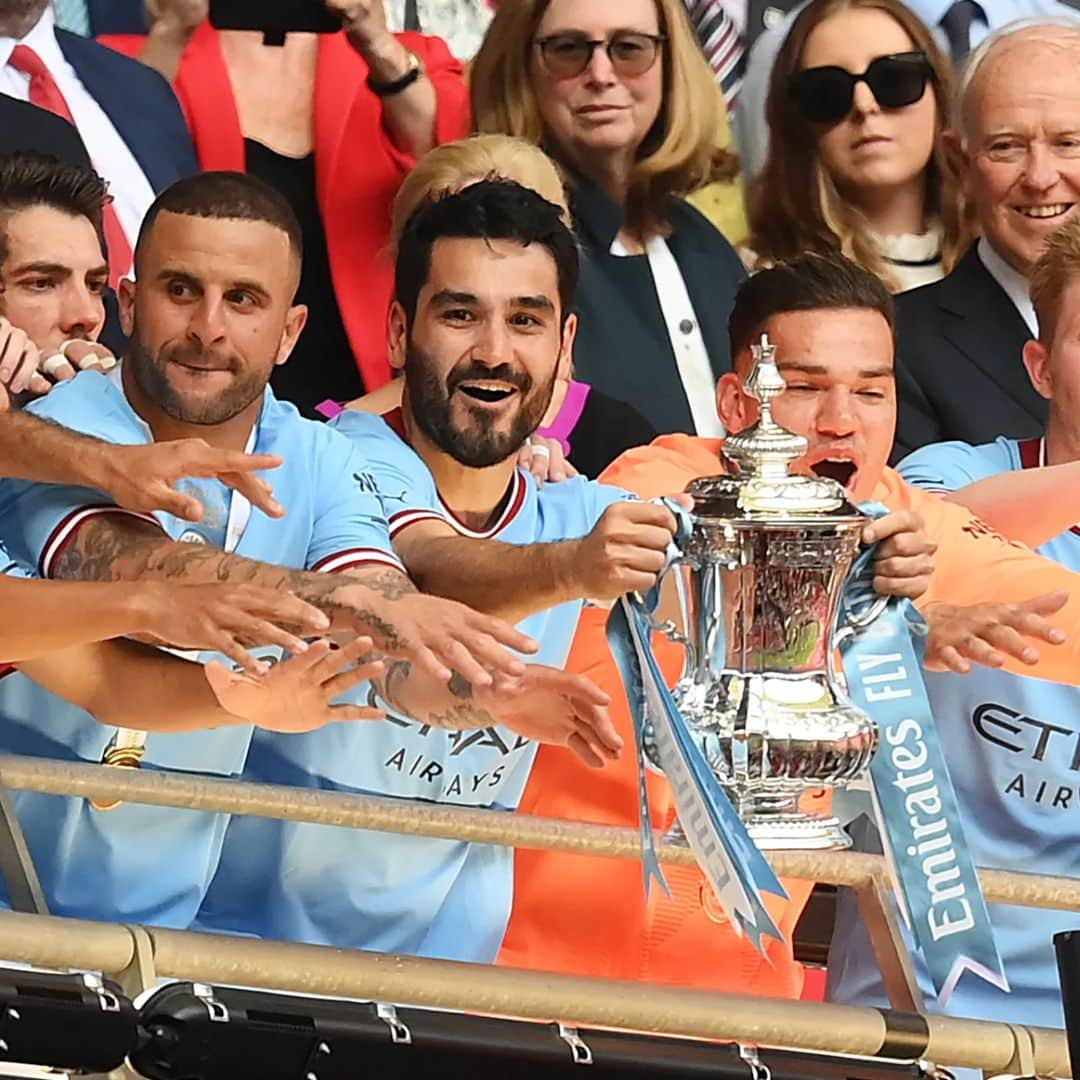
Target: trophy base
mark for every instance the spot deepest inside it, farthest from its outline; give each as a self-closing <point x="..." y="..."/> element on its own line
<point x="783" y="832"/>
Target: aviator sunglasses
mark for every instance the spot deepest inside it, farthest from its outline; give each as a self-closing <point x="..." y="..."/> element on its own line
<point x="568" y="55"/>
<point x="825" y="95"/>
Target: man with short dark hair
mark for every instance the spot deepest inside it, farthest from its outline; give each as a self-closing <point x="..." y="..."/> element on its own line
<point x="209" y="318"/>
<point x="830" y="322"/>
<point x="481" y="326"/>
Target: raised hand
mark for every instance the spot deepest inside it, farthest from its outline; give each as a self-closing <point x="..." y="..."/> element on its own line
<point x="296" y="695"/>
<point x="77" y="355"/>
<point x="181" y="16"/>
<point x="142" y="477"/>
<point x="552" y="706"/>
<point x="988" y="634"/>
<point x="363" y="20"/>
<point x="225" y="618"/>
<point x="19" y="363"/>
<point x="904" y="559"/>
<point x="544" y="458"/>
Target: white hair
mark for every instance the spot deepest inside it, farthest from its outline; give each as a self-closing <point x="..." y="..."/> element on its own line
<point x="992" y="43"/>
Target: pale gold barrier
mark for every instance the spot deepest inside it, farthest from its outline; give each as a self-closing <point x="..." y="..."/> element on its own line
<point x="476" y="988"/>
<point x="213" y="795"/>
<point x="142" y="954"/>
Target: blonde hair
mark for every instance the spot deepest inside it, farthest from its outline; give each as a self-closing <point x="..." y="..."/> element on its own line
<point x="1055" y="270"/>
<point x="455" y="165"/>
<point x="679" y="156"/>
<point x="795" y="206"/>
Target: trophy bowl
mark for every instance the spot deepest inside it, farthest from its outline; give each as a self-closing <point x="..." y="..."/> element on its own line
<point x="758" y="585"/>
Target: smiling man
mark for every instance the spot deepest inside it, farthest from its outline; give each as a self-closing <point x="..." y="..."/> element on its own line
<point x="959" y="370"/>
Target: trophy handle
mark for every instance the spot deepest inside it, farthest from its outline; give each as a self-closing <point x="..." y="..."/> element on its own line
<point x="861" y="622"/>
<point x="668" y="627"/>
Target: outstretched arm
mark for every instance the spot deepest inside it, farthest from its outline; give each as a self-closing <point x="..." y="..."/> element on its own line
<point x="380" y="602"/>
<point x="1032" y="505"/>
<point x="56" y="615"/>
<point x="165" y="694"/>
<point x="137" y="477"/>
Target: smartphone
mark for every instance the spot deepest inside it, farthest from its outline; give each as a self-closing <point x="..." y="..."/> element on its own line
<point x="275" y="18"/>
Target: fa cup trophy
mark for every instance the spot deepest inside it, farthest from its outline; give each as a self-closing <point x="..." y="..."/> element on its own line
<point x="759" y="583"/>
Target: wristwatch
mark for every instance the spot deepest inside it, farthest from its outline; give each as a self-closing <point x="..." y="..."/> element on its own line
<point x="388" y="89"/>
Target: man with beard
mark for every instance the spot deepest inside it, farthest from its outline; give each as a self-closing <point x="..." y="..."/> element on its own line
<point x="211" y="315"/>
<point x="481" y="326"/>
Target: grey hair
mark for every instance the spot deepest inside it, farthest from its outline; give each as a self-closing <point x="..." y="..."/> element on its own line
<point x="963" y="94"/>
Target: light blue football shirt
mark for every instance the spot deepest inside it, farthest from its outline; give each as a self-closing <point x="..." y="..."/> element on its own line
<point x="1013" y="748"/>
<point x="406" y="894"/>
<point x="139" y="863"/>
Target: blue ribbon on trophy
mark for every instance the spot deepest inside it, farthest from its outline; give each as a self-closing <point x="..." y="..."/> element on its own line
<point x="914" y="799"/>
<point x="729" y="858"/>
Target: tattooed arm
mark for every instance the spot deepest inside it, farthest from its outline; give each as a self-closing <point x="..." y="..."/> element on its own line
<point x="546" y="704"/>
<point x="438" y="636"/>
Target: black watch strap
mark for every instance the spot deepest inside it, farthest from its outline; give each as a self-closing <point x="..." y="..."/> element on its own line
<point x="388" y="89"/>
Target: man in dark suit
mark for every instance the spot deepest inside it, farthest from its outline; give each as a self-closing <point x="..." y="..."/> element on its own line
<point x="125" y="112"/>
<point x="960" y="373"/>
<point x="26" y="127"/>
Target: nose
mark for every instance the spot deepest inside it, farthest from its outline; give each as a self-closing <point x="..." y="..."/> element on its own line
<point x="600" y="71"/>
<point x="207" y="322"/>
<point x="82" y="313"/>
<point x="493" y="344"/>
<point x="835" y="417"/>
<point x="1041" y="170"/>
<point x="863" y="101"/>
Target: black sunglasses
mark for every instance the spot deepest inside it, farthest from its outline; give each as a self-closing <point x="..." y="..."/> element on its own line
<point x="825" y="95"/>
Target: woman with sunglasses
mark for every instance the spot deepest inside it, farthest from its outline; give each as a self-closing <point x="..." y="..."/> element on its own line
<point x="856" y="108"/>
<point x="620" y="94"/>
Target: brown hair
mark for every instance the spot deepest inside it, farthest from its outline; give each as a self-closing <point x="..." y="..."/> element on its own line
<point x="794" y="204"/>
<point x="682" y="153"/>
<point x="454" y="165"/>
<point x="1056" y="268"/>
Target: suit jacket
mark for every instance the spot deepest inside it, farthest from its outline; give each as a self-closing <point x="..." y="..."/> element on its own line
<point x="116" y="16"/>
<point x="958" y="364"/>
<point x="26" y="127"/>
<point x="141" y="106"/>
<point x="358" y="169"/>
<point x="623" y="348"/>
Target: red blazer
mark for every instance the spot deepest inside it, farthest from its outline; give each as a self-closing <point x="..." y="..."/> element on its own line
<point x="358" y="169"/>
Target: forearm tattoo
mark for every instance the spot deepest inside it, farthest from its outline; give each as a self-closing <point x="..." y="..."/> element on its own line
<point x="121" y="548"/>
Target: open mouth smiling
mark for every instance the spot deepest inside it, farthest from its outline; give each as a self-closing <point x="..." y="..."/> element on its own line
<point x="487" y="393"/>
<point x="841" y="470"/>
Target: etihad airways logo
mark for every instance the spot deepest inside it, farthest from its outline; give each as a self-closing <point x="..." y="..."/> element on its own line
<point x="1034" y="740"/>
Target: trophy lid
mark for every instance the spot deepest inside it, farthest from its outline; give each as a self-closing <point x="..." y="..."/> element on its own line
<point x="761" y="483"/>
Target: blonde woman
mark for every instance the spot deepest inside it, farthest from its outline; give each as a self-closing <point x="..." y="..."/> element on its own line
<point x="857" y="107"/>
<point x="620" y="94"/>
<point x="592" y="427"/>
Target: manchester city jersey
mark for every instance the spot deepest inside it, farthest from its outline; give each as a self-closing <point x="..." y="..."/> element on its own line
<point x="405" y="894"/>
<point x="1013" y="748"/>
<point x="140" y="863"/>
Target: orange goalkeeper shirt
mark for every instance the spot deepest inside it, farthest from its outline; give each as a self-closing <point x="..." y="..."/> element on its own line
<point x="589" y="915"/>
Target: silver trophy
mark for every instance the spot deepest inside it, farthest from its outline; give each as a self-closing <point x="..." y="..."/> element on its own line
<point x="759" y="584"/>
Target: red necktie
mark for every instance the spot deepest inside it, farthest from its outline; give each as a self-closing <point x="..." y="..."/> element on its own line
<point x="46" y="95"/>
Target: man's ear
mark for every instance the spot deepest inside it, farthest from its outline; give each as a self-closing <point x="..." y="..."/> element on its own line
<point x="397" y="336"/>
<point x="736" y="409"/>
<point x="295" y="321"/>
<point x="1037" y="361"/>
<point x="566" y="348"/>
<point x="125" y="295"/>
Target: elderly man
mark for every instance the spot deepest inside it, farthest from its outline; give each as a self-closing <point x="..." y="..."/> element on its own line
<point x="959" y="368"/>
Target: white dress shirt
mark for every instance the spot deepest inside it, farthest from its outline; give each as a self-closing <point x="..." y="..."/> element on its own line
<point x="684" y="330"/>
<point x="752" y="129"/>
<point x="131" y="191"/>
<point x="1014" y="284"/>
